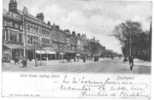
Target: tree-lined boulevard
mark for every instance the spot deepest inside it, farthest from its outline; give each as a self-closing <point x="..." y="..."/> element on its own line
<point x="30" y="43"/>
<point x="105" y="65"/>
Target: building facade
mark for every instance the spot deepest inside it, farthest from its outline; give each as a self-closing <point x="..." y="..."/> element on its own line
<point x="25" y="35"/>
<point x="12" y="32"/>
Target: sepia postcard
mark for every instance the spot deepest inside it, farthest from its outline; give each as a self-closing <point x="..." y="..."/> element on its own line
<point x="77" y="49"/>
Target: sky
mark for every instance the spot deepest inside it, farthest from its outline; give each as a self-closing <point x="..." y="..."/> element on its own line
<point x="95" y="18"/>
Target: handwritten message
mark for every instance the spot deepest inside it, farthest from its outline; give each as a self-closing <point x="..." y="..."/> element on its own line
<point x="77" y="85"/>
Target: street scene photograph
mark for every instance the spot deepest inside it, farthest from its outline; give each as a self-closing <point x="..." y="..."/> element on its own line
<point x="77" y="36"/>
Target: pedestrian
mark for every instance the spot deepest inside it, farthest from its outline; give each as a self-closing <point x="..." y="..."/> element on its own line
<point x="68" y="58"/>
<point x="74" y="58"/>
<point x="125" y="59"/>
<point x="24" y="62"/>
<point x="131" y="62"/>
<point x="112" y="57"/>
<point x="16" y="60"/>
<point x="84" y="59"/>
<point x="95" y="58"/>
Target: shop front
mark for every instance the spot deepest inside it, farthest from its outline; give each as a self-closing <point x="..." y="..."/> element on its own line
<point x="45" y="54"/>
<point x="49" y="53"/>
<point x="12" y="52"/>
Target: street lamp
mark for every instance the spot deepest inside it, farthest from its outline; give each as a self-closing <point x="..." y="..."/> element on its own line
<point x="35" y="43"/>
<point x="24" y="34"/>
<point x="129" y="40"/>
<point x="130" y="44"/>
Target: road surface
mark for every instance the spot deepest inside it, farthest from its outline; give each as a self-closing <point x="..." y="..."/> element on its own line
<point x="103" y="66"/>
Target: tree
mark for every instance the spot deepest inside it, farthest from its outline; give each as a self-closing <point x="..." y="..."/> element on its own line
<point x="96" y="48"/>
<point x="133" y="39"/>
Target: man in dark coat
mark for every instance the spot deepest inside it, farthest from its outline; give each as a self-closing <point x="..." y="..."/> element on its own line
<point x="131" y="62"/>
<point x="24" y="62"/>
<point x="16" y="60"/>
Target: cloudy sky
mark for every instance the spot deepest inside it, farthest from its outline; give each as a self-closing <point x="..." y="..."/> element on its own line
<point x="96" y="18"/>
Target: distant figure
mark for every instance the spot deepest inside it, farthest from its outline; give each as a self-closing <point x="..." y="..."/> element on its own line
<point x="131" y="62"/>
<point x="77" y="58"/>
<point x="30" y="59"/>
<point x="84" y="59"/>
<point x="16" y="60"/>
<point x="24" y="62"/>
<point x="68" y="58"/>
<point x="125" y="59"/>
<point x="112" y="57"/>
<point x="74" y="59"/>
<point x="96" y="58"/>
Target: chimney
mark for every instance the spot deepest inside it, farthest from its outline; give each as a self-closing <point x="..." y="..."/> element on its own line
<point x="13" y="6"/>
<point x="40" y="16"/>
<point x="49" y="23"/>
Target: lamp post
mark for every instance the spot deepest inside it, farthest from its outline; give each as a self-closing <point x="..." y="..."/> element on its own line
<point x="24" y="35"/>
<point x="130" y="42"/>
<point x="40" y="40"/>
<point x="35" y="43"/>
<point x="40" y="53"/>
<point x="130" y="45"/>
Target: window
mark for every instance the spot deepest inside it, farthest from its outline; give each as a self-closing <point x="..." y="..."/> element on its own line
<point x="32" y="28"/>
<point x="35" y="40"/>
<point x="20" y="27"/>
<point x="43" y="31"/>
<point x="5" y="23"/>
<point x="37" y="29"/>
<point x="16" y="26"/>
<point x="20" y="37"/>
<point x="40" y="29"/>
<point x="29" y="39"/>
<point x="13" y="36"/>
<point x="10" y="23"/>
<point x="28" y="27"/>
<point x="32" y="39"/>
<point x="6" y="35"/>
<point x="45" y="41"/>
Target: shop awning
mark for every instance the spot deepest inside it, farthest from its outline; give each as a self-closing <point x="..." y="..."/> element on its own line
<point x="45" y="52"/>
<point x="40" y="51"/>
<point x="6" y="52"/>
<point x="61" y="53"/>
<point x="49" y="50"/>
<point x="77" y="54"/>
<point x="13" y="46"/>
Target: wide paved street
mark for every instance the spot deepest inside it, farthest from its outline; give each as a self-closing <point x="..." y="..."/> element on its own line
<point x="103" y="66"/>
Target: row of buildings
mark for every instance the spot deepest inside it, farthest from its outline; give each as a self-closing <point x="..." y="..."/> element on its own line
<point x="25" y="35"/>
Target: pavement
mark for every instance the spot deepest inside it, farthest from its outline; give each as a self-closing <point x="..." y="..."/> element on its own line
<point x="104" y="65"/>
